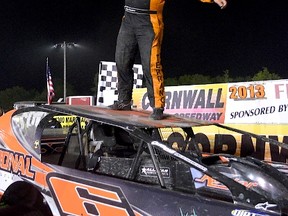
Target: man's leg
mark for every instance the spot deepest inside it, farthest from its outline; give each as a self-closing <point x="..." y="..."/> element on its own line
<point x="126" y="49"/>
<point x="149" y="39"/>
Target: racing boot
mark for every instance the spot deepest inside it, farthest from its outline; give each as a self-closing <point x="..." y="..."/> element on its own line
<point x="157" y="114"/>
<point x="121" y="105"/>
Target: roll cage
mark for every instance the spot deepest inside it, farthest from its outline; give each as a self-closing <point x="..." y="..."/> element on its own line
<point x="101" y="152"/>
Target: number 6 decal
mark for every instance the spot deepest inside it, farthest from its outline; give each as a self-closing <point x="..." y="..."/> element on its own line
<point x="75" y="196"/>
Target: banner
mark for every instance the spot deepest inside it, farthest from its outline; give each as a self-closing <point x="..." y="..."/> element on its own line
<point x="263" y="102"/>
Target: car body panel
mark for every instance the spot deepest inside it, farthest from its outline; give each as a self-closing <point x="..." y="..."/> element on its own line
<point x="153" y="180"/>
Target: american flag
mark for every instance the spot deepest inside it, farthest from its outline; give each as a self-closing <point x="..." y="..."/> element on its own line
<point x="50" y="88"/>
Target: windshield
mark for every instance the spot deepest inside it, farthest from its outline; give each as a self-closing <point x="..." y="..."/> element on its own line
<point x="25" y="126"/>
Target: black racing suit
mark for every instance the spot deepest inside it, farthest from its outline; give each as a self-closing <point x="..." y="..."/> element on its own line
<point x="141" y="28"/>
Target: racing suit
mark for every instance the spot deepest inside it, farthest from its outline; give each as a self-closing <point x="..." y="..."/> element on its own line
<point x="141" y="28"/>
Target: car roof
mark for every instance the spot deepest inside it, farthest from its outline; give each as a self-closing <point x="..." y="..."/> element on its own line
<point x="133" y="118"/>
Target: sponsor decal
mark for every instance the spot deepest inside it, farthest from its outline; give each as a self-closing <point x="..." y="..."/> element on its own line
<point x="187" y="213"/>
<point x="160" y="80"/>
<point x="28" y="119"/>
<point x="202" y="180"/>
<point x="240" y="212"/>
<point x="67" y="121"/>
<point x="16" y="163"/>
<point x="265" y="206"/>
<point x="151" y="172"/>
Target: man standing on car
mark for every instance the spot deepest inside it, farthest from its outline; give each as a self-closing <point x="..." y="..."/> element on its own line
<point x="142" y="28"/>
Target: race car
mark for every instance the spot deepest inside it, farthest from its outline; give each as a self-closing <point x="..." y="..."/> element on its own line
<point x="118" y="163"/>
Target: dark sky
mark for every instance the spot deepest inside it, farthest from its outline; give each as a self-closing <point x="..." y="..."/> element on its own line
<point x="198" y="38"/>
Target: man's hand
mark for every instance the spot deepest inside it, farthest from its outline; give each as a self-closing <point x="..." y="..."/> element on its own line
<point x="222" y="3"/>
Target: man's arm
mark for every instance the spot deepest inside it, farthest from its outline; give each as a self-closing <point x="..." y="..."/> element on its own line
<point x="222" y="3"/>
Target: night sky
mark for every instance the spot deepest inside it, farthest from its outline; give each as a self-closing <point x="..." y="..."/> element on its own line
<point x="198" y="38"/>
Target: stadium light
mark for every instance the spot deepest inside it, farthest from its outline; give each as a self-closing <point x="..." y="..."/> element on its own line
<point x="64" y="45"/>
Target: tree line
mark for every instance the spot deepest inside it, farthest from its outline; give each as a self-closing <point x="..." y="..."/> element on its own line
<point x="17" y="93"/>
